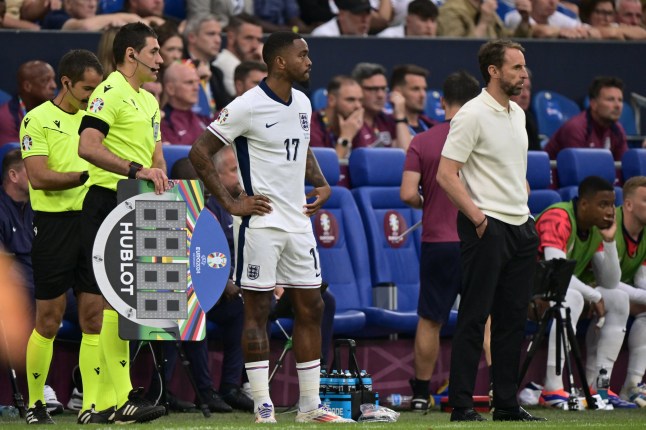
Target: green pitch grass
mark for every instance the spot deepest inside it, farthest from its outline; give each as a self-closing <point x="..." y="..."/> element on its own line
<point x="558" y="420"/>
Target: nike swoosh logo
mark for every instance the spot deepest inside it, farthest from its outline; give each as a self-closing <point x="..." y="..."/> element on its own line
<point x="318" y="274"/>
<point x="271" y="125"/>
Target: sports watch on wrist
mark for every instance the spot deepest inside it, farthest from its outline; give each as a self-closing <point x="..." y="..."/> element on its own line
<point x="83" y="177"/>
<point x="134" y="168"/>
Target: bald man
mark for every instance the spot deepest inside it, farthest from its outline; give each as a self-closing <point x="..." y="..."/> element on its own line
<point x="180" y="125"/>
<point x="36" y="85"/>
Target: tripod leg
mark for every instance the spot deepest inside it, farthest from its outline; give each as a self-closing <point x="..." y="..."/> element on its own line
<point x="187" y="367"/>
<point x="560" y="334"/>
<point x="592" y="404"/>
<point x="279" y="362"/>
<point x="157" y="349"/>
<point x="535" y="343"/>
<point x="17" y="395"/>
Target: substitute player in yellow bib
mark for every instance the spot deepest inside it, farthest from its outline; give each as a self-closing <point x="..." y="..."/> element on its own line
<point x="49" y="142"/>
<point x="120" y="137"/>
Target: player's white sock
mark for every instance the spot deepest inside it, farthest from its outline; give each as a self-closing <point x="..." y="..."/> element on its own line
<point x="636" y="352"/>
<point x="573" y="300"/>
<point x="258" y="374"/>
<point x="610" y="337"/>
<point x="309" y="380"/>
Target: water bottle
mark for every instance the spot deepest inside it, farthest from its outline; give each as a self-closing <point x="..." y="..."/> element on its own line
<point x="366" y="380"/>
<point x="352" y="381"/>
<point x="603" y="383"/>
<point x="398" y="401"/>
<point x="333" y="382"/>
<point x="8" y="412"/>
<point x="324" y="382"/>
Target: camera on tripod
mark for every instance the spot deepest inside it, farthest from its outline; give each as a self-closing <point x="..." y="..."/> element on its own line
<point x="553" y="278"/>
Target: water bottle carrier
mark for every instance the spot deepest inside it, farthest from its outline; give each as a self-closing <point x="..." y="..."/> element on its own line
<point x="349" y="391"/>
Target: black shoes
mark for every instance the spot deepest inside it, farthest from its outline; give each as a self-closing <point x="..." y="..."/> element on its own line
<point x="137" y="409"/>
<point x="466" y="414"/>
<point x="179" y="405"/>
<point x="215" y="402"/>
<point x="38" y="414"/>
<point x="105" y="416"/>
<point x="421" y="396"/>
<point x="515" y="414"/>
<point x="237" y="399"/>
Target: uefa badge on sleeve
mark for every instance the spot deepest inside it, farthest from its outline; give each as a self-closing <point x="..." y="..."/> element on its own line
<point x="96" y="105"/>
<point x="26" y="143"/>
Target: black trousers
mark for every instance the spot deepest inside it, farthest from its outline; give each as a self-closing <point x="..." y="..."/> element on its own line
<point x="497" y="279"/>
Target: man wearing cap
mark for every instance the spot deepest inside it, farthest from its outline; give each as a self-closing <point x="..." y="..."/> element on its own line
<point x="353" y="20"/>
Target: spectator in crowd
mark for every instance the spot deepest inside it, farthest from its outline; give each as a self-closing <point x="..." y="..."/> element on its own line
<point x="171" y="49"/>
<point x="81" y="15"/>
<point x="421" y="21"/>
<point x="3" y="8"/>
<point x="279" y="15"/>
<point x="244" y="42"/>
<point x="629" y="12"/>
<point x="353" y="19"/>
<point x="487" y="147"/>
<point x="598" y="126"/>
<point x="203" y="39"/>
<point x="380" y="128"/>
<point x="248" y="74"/>
<point x="600" y="14"/>
<point x="473" y="18"/>
<point x="152" y="11"/>
<point x="584" y="230"/>
<point x="36" y="85"/>
<point x="13" y="16"/>
<point x="180" y="125"/>
<point x="631" y="220"/>
<point x="440" y="259"/>
<point x="548" y="22"/>
<point x="338" y="125"/>
<point x="315" y="12"/>
<point x="410" y="81"/>
<point x="104" y="51"/>
<point x="524" y="100"/>
<point x="222" y="9"/>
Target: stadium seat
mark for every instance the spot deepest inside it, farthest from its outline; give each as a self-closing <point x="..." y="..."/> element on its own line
<point x="341" y="244"/>
<point x="175" y="8"/>
<point x="6" y="148"/>
<point x="576" y="164"/>
<point x="319" y="99"/>
<point x="433" y="108"/>
<point x="539" y="179"/>
<point x="4" y="97"/>
<point x="111" y="6"/>
<point x="633" y="163"/>
<point x="376" y="176"/>
<point x="552" y="110"/>
<point x="173" y="153"/>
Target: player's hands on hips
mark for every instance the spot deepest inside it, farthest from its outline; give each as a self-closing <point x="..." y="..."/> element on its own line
<point x="157" y="177"/>
<point x="245" y="205"/>
<point x="322" y="194"/>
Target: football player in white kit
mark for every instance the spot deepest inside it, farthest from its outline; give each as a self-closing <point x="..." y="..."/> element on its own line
<point x="268" y="128"/>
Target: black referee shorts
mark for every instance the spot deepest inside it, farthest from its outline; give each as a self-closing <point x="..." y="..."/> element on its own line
<point x="440" y="280"/>
<point x="98" y="204"/>
<point x="57" y="257"/>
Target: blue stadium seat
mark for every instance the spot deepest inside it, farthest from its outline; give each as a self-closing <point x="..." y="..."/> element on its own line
<point x="111" y="6"/>
<point x="552" y="110"/>
<point x="576" y="164"/>
<point x="376" y="176"/>
<point x="539" y="179"/>
<point x="633" y="163"/>
<point x="173" y="153"/>
<point x="433" y="108"/>
<point x="175" y="8"/>
<point x="6" y="148"/>
<point x="319" y="99"/>
<point x="4" y="97"/>
<point x="341" y="245"/>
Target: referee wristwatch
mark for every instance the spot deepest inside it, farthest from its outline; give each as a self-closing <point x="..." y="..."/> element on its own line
<point x="83" y="177"/>
<point x="134" y="169"/>
<point x="343" y="142"/>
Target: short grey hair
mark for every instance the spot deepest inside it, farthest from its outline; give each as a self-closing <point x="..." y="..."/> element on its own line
<point x="193" y="25"/>
<point x="364" y="71"/>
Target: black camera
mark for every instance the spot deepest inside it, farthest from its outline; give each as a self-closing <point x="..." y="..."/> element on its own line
<point x="552" y="278"/>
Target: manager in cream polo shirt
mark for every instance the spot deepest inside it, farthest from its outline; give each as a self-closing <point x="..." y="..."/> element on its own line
<point x="487" y="148"/>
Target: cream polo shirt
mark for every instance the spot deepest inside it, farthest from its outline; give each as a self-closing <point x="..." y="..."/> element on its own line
<point x="492" y="144"/>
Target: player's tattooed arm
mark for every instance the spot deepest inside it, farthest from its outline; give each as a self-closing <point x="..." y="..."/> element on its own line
<point x="321" y="189"/>
<point x="201" y="156"/>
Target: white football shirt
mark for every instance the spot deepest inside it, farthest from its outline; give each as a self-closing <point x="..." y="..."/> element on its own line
<point x="270" y="139"/>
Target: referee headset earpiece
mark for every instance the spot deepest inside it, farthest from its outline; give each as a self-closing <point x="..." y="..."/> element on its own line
<point x="69" y="90"/>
